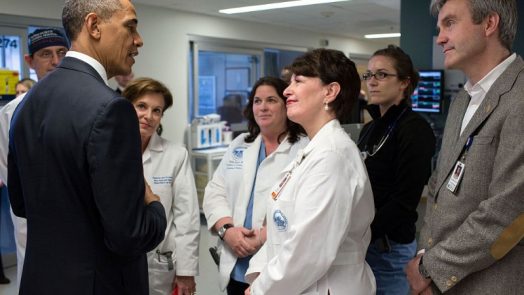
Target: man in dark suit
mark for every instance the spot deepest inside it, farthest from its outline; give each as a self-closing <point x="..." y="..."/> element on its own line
<point x="471" y="241"/>
<point x="47" y="47"/>
<point x="75" y="166"/>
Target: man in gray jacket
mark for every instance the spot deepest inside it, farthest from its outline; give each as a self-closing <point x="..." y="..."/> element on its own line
<point x="471" y="241"/>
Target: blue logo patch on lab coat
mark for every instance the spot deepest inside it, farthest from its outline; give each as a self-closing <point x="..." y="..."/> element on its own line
<point x="238" y="154"/>
<point x="280" y="220"/>
<point x="237" y="159"/>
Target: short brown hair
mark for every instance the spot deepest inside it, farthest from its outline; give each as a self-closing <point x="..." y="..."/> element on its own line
<point x="332" y="66"/>
<point x="142" y="86"/>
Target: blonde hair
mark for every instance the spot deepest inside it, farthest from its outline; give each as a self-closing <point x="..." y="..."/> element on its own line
<point x="27" y="82"/>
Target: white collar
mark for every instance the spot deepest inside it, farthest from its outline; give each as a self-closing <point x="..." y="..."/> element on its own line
<point x="99" y="68"/>
<point x="319" y="139"/>
<point x="488" y="80"/>
<point x="155" y="143"/>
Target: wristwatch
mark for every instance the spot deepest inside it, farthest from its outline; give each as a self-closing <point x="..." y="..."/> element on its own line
<point x="422" y="269"/>
<point x="222" y="231"/>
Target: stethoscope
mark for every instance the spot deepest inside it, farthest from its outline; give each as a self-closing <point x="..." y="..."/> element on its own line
<point x="376" y="148"/>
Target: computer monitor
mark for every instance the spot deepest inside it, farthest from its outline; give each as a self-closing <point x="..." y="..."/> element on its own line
<point x="429" y="93"/>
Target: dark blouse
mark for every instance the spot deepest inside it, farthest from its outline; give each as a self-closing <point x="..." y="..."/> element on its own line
<point x="398" y="170"/>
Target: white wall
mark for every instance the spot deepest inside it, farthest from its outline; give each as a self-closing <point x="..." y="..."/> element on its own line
<point x="165" y="55"/>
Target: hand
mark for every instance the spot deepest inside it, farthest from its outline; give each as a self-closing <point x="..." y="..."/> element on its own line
<point x="417" y="283"/>
<point x="149" y="196"/>
<point x="254" y="243"/>
<point x="186" y="285"/>
<point x="235" y="238"/>
<point x="257" y="239"/>
<point x="248" y="291"/>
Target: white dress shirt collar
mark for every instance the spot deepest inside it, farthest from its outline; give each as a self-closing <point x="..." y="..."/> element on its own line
<point x="90" y="61"/>
<point x="488" y="80"/>
<point x="478" y="91"/>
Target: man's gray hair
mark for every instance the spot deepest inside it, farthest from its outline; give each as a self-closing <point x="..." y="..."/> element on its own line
<point x="480" y="9"/>
<point x="75" y="11"/>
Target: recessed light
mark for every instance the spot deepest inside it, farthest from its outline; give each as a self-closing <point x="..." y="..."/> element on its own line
<point x="277" y="5"/>
<point x="377" y="36"/>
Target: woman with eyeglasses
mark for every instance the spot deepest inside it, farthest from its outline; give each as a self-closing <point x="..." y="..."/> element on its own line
<point x="397" y="147"/>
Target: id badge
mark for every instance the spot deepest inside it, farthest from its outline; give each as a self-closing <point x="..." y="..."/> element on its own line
<point x="456" y="177"/>
<point x="276" y="191"/>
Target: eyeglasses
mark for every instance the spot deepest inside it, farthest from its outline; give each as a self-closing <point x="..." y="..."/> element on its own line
<point x="378" y="75"/>
<point x="49" y="54"/>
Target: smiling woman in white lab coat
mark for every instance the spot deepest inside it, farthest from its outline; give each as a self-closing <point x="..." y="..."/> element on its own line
<point x="174" y="262"/>
<point x="235" y="199"/>
<point x="319" y="213"/>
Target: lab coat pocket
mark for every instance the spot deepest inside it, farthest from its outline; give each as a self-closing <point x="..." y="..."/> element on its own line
<point x="281" y="220"/>
<point x="161" y="275"/>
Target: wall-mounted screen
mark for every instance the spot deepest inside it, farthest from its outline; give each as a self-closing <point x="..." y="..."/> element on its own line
<point x="429" y="93"/>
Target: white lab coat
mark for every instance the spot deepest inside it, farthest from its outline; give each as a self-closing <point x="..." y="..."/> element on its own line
<point x="20" y="224"/>
<point x="318" y="229"/>
<point x="167" y="170"/>
<point x="228" y="192"/>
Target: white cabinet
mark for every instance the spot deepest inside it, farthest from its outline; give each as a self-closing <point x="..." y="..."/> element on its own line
<point x="204" y="164"/>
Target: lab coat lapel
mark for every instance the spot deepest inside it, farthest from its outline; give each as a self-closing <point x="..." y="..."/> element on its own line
<point x="250" y="163"/>
<point x="155" y="144"/>
<point x="259" y="202"/>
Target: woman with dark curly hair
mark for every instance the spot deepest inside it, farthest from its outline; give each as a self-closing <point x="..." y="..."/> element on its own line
<point x="235" y="199"/>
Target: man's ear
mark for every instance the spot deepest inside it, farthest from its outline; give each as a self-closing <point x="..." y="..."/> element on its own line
<point x="92" y="25"/>
<point x="492" y="24"/>
<point x="28" y="60"/>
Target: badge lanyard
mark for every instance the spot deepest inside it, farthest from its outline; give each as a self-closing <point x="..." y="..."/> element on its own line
<point x="458" y="170"/>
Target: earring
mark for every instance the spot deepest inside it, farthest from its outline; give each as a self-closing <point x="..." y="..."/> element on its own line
<point x="326" y="106"/>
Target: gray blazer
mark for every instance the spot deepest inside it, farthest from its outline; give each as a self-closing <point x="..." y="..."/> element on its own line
<point x="473" y="237"/>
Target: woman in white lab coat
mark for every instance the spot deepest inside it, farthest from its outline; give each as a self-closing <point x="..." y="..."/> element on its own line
<point x="235" y="198"/>
<point x="174" y="263"/>
<point x="319" y="215"/>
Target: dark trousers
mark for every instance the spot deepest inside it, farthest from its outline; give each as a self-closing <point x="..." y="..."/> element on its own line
<point x="236" y="287"/>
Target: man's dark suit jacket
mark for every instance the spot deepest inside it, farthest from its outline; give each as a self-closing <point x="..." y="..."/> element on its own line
<point x="75" y="173"/>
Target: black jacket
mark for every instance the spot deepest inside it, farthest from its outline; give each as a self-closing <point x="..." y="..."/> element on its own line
<point x="75" y="172"/>
<point x="398" y="170"/>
